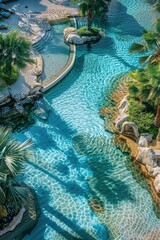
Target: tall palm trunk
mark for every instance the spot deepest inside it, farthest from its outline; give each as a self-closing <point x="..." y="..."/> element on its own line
<point x="89" y="19"/>
<point x="157" y="117"/>
<point x="10" y="93"/>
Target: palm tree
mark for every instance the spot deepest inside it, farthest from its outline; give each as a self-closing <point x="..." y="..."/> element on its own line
<point x="150" y="42"/>
<point x="14" y="55"/>
<point x="92" y="8"/>
<point x="145" y="86"/>
<point x="156" y="6"/>
<point x="12" y="157"/>
<point x="5" y="84"/>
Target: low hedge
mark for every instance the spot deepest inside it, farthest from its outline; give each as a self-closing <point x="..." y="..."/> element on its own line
<point x="83" y="31"/>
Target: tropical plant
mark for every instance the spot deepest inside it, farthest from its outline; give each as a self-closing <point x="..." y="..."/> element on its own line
<point x="156" y="6"/>
<point x="83" y="31"/>
<point x="142" y="117"/>
<point x="15" y="53"/>
<point x="12" y="157"/>
<point x="92" y="9"/>
<point x="150" y="43"/>
<point x="145" y="86"/>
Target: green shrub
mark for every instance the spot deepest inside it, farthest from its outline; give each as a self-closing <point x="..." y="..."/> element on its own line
<point x="144" y="120"/>
<point x="83" y="31"/>
<point x="154" y="131"/>
<point x="135" y="107"/>
<point x="10" y="79"/>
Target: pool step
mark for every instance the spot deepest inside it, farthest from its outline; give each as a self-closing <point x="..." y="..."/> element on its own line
<point x="48" y="37"/>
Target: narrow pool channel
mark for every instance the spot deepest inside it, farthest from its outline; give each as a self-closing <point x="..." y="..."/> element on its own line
<point x="54" y="51"/>
<point x="77" y="167"/>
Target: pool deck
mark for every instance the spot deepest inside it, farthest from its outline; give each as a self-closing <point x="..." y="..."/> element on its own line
<point x="43" y="10"/>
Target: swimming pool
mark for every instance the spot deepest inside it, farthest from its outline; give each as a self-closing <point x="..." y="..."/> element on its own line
<point x="54" y="51"/>
<point x="77" y="163"/>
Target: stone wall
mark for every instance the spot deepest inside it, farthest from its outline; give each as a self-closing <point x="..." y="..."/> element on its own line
<point x="15" y="221"/>
<point x="71" y="36"/>
<point x="147" y="155"/>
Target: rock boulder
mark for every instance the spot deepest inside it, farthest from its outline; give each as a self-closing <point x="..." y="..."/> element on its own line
<point x="157" y="183"/>
<point x="41" y="113"/>
<point x="71" y="36"/>
<point x="130" y="129"/>
<point x="153" y="171"/>
<point x="35" y="87"/>
<point x="123" y="105"/>
<point x="146" y="156"/>
<point x="120" y="120"/>
<point x="74" y="39"/>
<point x="144" y="140"/>
<point x="69" y="30"/>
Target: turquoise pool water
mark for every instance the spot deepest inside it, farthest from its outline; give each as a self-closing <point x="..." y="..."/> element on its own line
<point x="76" y="160"/>
<point x="54" y="51"/>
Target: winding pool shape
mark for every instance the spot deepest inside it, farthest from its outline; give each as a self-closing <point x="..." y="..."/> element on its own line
<point x="49" y="83"/>
<point x="77" y="163"/>
<point x="64" y="71"/>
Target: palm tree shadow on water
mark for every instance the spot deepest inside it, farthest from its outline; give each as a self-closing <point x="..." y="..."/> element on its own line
<point x="106" y="46"/>
<point x="103" y="182"/>
<point x="75" y="232"/>
<point x="123" y="25"/>
<point x="104" y="186"/>
<point x="134" y="167"/>
<point x="44" y="136"/>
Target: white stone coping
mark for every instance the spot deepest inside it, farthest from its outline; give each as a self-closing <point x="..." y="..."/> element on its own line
<point x="46" y="85"/>
<point x="13" y="224"/>
<point x="65" y="70"/>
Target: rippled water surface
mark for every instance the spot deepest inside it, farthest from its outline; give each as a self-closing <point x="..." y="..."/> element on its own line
<point x="77" y="165"/>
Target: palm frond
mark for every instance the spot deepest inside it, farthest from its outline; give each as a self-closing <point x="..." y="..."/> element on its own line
<point x="2" y="84"/>
<point x="156" y="6"/>
<point x="5" y="133"/>
<point x="138" y="47"/>
<point x="15" y="50"/>
<point x="150" y="39"/>
<point x="135" y="74"/>
<point x="2" y="196"/>
<point x="145" y="59"/>
<point x="133" y="90"/>
<point x="157" y="25"/>
<point x="15" y="154"/>
<point x="145" y="84"/>
<point x="16" y="195"/>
